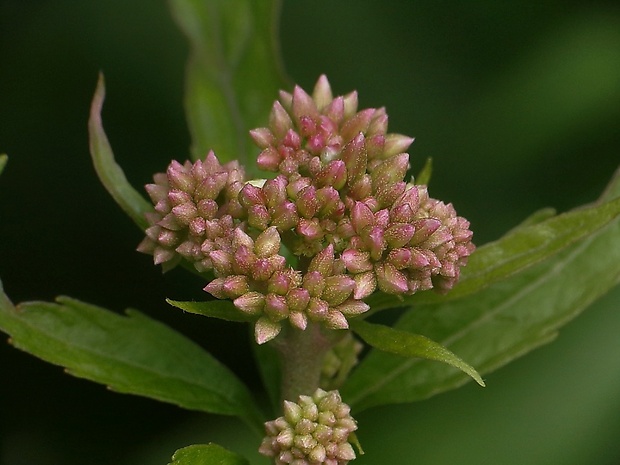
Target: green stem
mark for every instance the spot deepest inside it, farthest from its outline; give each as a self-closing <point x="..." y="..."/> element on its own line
<point x="301" y="356"/>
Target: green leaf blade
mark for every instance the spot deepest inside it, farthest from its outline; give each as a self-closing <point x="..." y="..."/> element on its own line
<point x="109" y="172"/>
<point x="410" y="345"/>
<point x="496" y="325"/>
<point x="221" y="309"/>
<point x="233" y="74"/>
<point x="3" y="160"/>
<point x="206" y="454"/>
<point x="131" y="354"/>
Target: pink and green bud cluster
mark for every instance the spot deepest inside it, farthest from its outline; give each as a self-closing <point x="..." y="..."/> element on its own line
<point x="195" y="211"/>
<point x="314" y="431"/>
<point x="339" y="203"/>
<point x="256" y="277"/>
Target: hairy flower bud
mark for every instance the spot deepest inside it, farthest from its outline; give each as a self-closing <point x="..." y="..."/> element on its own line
<point x="314" y="430"/>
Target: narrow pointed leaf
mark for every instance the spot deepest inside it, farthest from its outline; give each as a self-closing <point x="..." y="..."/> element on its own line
<point x="424" y="176"/>
<point x="517" y="250"/>
<point x="206" y="454"/>
<point x="410" y="345"/>
<point x="131" y="354"/>
<point x="3" y="160"/>
<point x="496" y="325"/>
<point x="233" y="73"/>
<point x="110" y="173"/>
<point x="222" y="309"/>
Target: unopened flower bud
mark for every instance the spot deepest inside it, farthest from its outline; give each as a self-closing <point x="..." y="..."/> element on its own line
<point x="302" y="436"/>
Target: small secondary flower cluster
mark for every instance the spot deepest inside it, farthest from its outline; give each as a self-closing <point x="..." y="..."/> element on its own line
<point x="338" y="203"/>
<point x="315" y="430"/>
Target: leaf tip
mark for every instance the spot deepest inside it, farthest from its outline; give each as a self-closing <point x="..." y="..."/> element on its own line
<point x="3" y="159"/>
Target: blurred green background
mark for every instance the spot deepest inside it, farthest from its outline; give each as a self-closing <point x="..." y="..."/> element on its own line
<point x="517" y="102"/>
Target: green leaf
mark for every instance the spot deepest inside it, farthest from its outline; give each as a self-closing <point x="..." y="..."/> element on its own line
<point x="496" y="325"/>
<point x="206" y="454"/>
<point x="110" y="173"/>
<point x="3" y="159"/>
<point x="424" y="176"/>
<point x="520" y="248"/>
<point x="233" y="75"/>
<point x="535" y="218"/>
<point x="410" y="345"/>
<point x="222" y="309"/>
<point x="131" y="354"/>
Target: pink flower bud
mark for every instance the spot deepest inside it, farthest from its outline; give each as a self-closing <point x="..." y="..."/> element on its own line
<point x="337" y="289"/>
<point x="314" y="283"/>
<point x="258" y="217"/>
<point x="269" y="159"/>
<point x="216" y="288"/>
<point x="390" y="171"/>
<point x="261" y="269"/>
<point x="358" y="123"/>
<point x="285" y="216"/>
<point x="262" y="137"/>
<point x="235" y="286"/>
<point x="350" y="104"/>
<point x="275" y="191"/>
<point x="335" y="110"/>
<point x="265" y="330"/>
<point x="207" y="208"/>
<point x="185" y="212"/>
<point x="275" y="307"/>
<point x="362" y="188"/>
<point x="390" y="280"/>
<point x="336" y="320"/>
<point x="365" y="285"/>
<point x="356" y="261"/>
<point x="395" y="144"/>
<point x="330" y="202"/>
<point x="317" y="309"/>
<point x="251" y="303"/>
<point x="309" y="229"/>
<point x="179" y="178"/>
<point x="334" y="174"/>
<point x="399" y="234"/>
<point x="298" y="299"/>
<point x="279" y="120"/>
<point x="379" y="123"/>
<point x="322" y="94"/>
<point x="375" y="242"/>
<point x="156" y="192"/>
<point x="211" y="186"/>
<point x="222" y="262"/>
<point x="362" y="217"/>
<point x="307" y="202"/>
<point x="298" y="320"/>
<point x="267" y="243"/>
<point x="303" y="105"/>
<point x="400" y="258"/>
<point x="251" y="195"/>
<point x="387" y="194"/>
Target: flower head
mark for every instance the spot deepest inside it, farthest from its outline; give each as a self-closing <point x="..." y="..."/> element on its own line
<point x="196" y="209"/>
<point x="315" y="430"/>
<point x="338" y="204"/>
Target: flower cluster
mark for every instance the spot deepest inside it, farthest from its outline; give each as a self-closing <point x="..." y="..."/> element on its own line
<point x="315" y="430"/>
<point x="339" y="204"/>
<point x="195" y="213"/>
